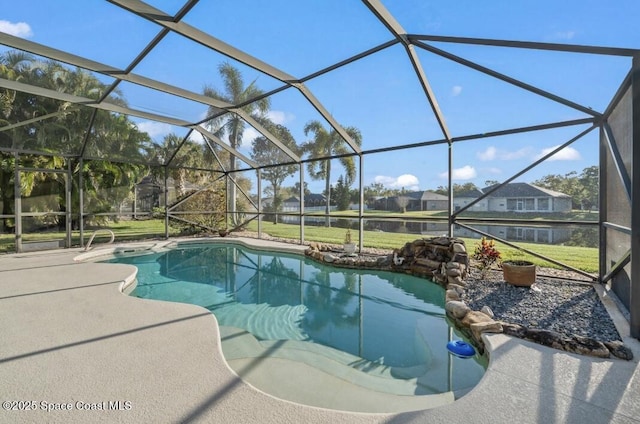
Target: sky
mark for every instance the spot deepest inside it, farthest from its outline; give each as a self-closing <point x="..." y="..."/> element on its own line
<point x="379" y="94"/>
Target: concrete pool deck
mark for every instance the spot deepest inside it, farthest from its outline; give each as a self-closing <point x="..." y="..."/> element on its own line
<point x="69" y="338"/>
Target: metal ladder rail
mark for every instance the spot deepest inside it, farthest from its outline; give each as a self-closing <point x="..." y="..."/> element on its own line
<point x="113" y="237"/>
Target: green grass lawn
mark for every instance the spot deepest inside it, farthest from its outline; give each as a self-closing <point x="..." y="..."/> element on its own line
<point x="575" y="215"/>
<point x="583" y="258"/>
<point x="124" y="231"/>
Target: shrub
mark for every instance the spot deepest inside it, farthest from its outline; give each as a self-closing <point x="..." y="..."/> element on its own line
<point x="486" y="254"/>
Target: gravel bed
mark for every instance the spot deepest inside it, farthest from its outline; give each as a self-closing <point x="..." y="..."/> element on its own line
<point x="564" y="305"/>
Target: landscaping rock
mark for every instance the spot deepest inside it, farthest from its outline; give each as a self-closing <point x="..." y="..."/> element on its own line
<point x="457" y="309"/>
<point x="445" y="261"/>
<point x="329" y="258"/>
<point x="485" y="327"/>
<point x="456" y="280"/>
<point x="458" y="288"/>
<point x="459" y="248"/>
<point x="515" y="330"/>
<point x="454" y="272"/>
<point x="619" y="350"/>
<point x="487" y="310"/>
<point x="451" y="295"/>
<point x="427" y="263"/>
<point x="474" y="317"/>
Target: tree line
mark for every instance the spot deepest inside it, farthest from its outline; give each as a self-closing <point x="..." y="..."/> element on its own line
<point x="118" y="154"/>
<point x="582" y="187"/>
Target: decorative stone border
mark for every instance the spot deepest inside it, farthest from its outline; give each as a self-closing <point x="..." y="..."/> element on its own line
<point x="444" y="260"/>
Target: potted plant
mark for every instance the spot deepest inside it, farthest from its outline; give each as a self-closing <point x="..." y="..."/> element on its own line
<point x="348" y="246"/>
<point x="519" y="273"/>
<point x="486" y="254"/>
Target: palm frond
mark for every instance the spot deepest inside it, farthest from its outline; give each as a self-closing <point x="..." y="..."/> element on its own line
<point x="232" y="79"/>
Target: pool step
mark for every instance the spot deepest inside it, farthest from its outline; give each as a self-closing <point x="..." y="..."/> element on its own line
<point x="358" y="371"/>
<point x="307" y="384"/>
<point x="240" y="345"/>
<point x="265" y="321"/>
<point x="367" y="366"/>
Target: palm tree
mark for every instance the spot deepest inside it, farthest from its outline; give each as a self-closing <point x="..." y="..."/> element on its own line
<point x="190" y="155"/>
<point x="327" y="144"/>
<point x="231" y="125"/>
<point x="13" y="66"/>
<point x="113" y="136"/>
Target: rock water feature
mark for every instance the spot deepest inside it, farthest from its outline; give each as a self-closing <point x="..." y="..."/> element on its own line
<point x="445" y="261"/>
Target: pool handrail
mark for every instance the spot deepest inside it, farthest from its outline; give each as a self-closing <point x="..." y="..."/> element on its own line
<point x="113" y="237"/>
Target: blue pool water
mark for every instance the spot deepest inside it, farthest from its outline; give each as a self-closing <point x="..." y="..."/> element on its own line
<point x="383" y="319"/>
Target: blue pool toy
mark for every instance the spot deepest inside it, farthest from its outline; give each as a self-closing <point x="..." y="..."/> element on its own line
<point x="461" y="348"/>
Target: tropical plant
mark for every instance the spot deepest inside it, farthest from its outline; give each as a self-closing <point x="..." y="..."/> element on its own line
<point x="185" y="160"/>
<point x="106" y="185"/>
<point x="486" y="254"/>
<point x="14" y="66"/>
<point x="230" y="124"/>
<point x="209" y="202"/>
<point x="112" y="136"/>
<point x="43" y="191"/>
<point x="325" y="144"/>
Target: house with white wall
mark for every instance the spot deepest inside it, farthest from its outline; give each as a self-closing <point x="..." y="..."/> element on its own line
<point x="515" y="197"/>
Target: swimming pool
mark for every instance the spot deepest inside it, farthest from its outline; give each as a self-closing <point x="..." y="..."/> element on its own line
<point x="382" y="331"/>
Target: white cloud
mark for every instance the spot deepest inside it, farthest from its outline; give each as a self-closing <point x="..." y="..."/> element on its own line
<point x="467" y="172"/>
<point x="488" y="154"/>
<point x="280" y="117"/>
<point x="493" y="153"/>
<point x="568" y="153"/>
<point x="276" y="116"/>
<point x="516" y="154"/>
<point x="494" y="171"/>
<point x="456" y="90"/>
<point x="408" y="181"/>
<point x="250" y="133"/>
<point x="248" y="136"/>
<point x="154" y="129"/>
<point x="19" y="29"/>
<point x="564" y="35"/>
<point x="196" y="136"/>
<point x="203" y="115"/>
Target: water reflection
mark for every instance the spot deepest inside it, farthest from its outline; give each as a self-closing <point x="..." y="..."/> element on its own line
<point x="368" y="314"/>
<point x="374" y="321"/>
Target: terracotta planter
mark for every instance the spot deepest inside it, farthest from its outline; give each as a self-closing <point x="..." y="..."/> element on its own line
<point x="519" y="273"/>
